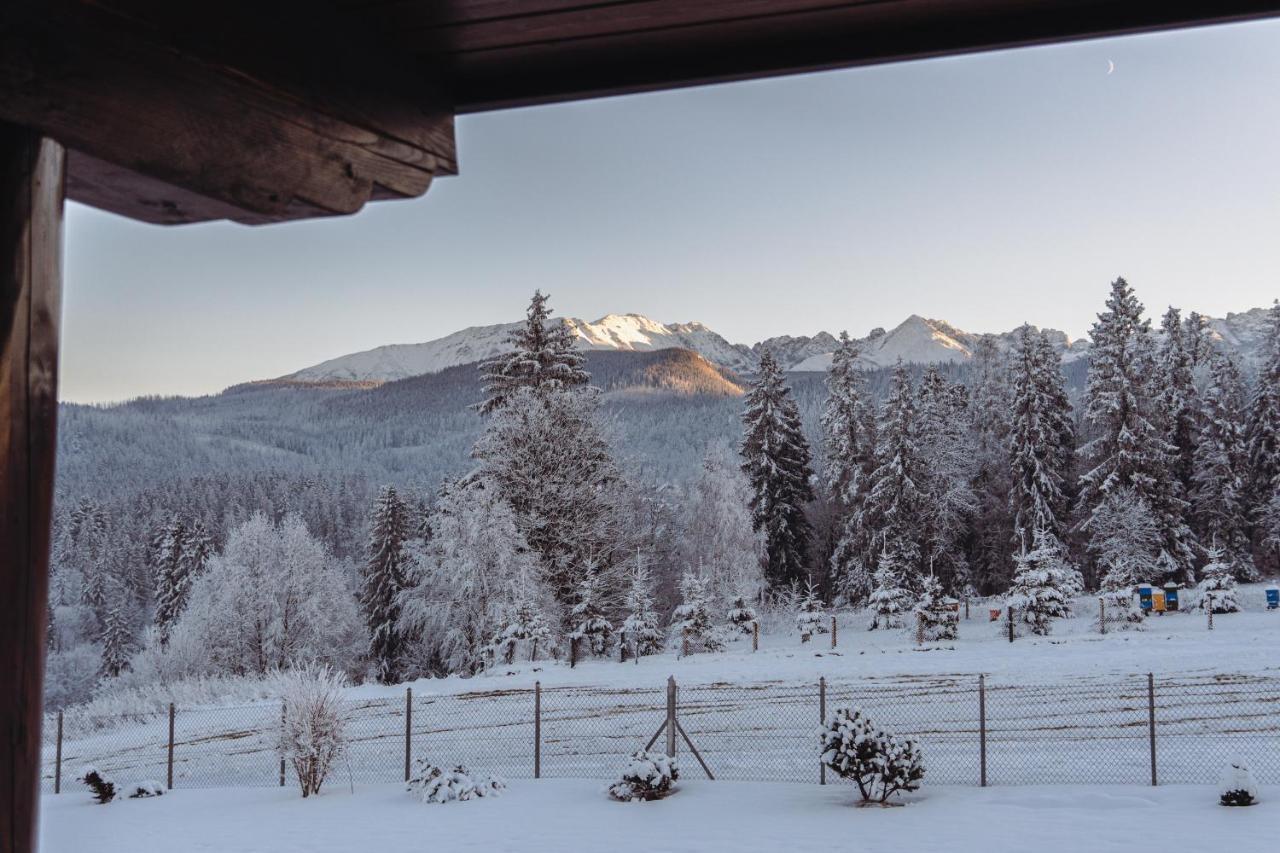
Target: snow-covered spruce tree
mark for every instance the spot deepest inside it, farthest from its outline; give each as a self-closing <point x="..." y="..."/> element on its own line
<point x="522" y="622"/>
<point x="385" y="577"/>
<point x="1041" y="441"/>
<point x="776" y="460"/>
<point x="312" y="731"/>
<point x="888" y="600"/>
<point x="893" y="508"/>
<point x="433" y="784"/>
<point x="947" y="499"/>
<point x="935" y="614"/>
<point x="541" y="357"/>
<point x="1221" y="476"/>
<point x="457" y="589"/>
<point x="648" y="776"/>
<point x="742" y="616"/>
<point x="991" y="404"/>
<point x="1218" y="583"/>
<point x="1117" y="591"/>
<point x="811" y="615"/>
<point x="592" y="631"/>
<point x="640" y="629"/>
<point x="849" y="432"/>
<point x="1177" y="401"/>
<point x="717" y="533"/>
<point x="118" y="641"/>
<point x="1042" y="586"/>
<point x="691" y="620"/>
<point x="1128" y="449"/>
<point x="1264" y="443"/>
<point x="880" y="763"/>
<point x="172" y="583"/>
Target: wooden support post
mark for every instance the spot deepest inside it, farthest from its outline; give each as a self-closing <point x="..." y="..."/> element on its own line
<point x="1102" y="615"/>
<point x="408" y="731"/>
<point x="982" y="730"/>
<point x="1009" y="613"/>
<point x="1209" y="610"/>
<point x="32" y="180"/>
<point x="698" y="755"/>
<point x="822" y="721"/>
<point x="57" y="761"/>
<point x="284" y="711"/>
<point x="755" y="636"/>
<point x="833" y="631"/>
<point x="1151" y="722"/>
<point x="169" y="770"/>
<point x="671" y="716"/>
<point x="537" y="729"/>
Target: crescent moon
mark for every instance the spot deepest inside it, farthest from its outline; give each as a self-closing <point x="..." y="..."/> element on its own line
<point x="1111" y="66"/>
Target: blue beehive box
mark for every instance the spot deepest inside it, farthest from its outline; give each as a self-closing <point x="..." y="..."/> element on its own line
<point x="1144" y="596"/>
<point x="1273" y="598"/>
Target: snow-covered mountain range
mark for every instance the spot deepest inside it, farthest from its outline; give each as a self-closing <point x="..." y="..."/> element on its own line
<point x="915" y="339"/>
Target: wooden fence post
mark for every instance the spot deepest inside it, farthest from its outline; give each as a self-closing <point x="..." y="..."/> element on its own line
<point x="573" y="652"/>
<point x="1009" y="613"/>
<point x="982" y="729"/>
<point x="1102" y="615"/>
<point x="1151" y="722"/>
<point x="1209" y="609"/>
<point x="622" y="647"/>
<point x="966" y="608"/>
<point x="57" y="761"/>
<point x="408" y="730"/>
<point x="833" y="631"/>
<point x="284" y="712"/>
<point x="169" y="773"/>
<point x="671" y="716"/>
<point x="755" y="636"/>
<point x="822" y="720"/>
<point x="537" y="729"/>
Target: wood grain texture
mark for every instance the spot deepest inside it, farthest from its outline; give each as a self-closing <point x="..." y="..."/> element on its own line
<point x="31" y="193"/>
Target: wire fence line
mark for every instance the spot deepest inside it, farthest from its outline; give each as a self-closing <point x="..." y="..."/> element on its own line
<point x="973" y="730"/>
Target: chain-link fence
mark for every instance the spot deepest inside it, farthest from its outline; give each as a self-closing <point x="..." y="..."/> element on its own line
<point x="972" y="731"/>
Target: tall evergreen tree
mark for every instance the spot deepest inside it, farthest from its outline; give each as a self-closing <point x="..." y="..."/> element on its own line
<point x="991" y="404"/>
<point x="849" y="428"/>
<point x="1220" y="496"/>
<point x="542" y="357"/>
<point x="1176" y="398"/>
<point x="776" y="461"/>
<point x="1264" y="440"/>
<point x="385" y="577"/>
<point x="947" y="502"/>
<point x="1041" y="439"/>
<point x="893" y="507"/>
<point x="172" y="576"/>
<point x="1128" y="449"/>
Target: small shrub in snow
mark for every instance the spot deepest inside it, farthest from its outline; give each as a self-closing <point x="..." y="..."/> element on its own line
<point x="640" y="629"/>
<point x="877" y="761"/>
<point x="591" y="630"/>
<point x="936" y="615"/>
<point x="1237" y="787"/>
<point x="888" y="599"/>
<point x="649" y="776"/>
<point x="146" y="788"/>
<point x="104" y="790"/>
<point x="433" y="784"/>
<point x="1219" y="583"/>
<point x="1117" y="594"/>
<point x="312" y="735"/>
<point x="811" y="617"/>
<point x="691" y="620"/>
<point x="742" y="616"/>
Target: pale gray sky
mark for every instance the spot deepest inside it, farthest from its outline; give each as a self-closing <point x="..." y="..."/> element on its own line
<point x="986" y="190"/>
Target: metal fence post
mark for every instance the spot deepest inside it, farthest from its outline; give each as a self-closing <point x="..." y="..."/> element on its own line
<point x="169" y="773"/>
<point x="57" y="765"/>
<point x="982" y="729"/>
<point x="822" y="720"/>
<point x="1151" y="722"/>
<point x="537" y="729"/>
<point x="284" y="712"/>
<point x="833" y="631"/>
<point x="671" y="716"/>
<point x="408" y="730"/>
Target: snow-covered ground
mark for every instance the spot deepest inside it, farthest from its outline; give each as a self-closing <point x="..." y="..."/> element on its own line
<point x="701" y="817"/>
<point x="1069" y="708"/>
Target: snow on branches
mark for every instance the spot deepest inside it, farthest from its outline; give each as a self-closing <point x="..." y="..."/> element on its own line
<point x="880" y="763"/>
<point x="648" y="776"/>
<point x="312" y="728"/>
<point x="432" y="784"/>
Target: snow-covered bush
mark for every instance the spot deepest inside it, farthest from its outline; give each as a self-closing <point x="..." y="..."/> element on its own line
<point x="103" y="788"/>
<point x="649" y="776"/>
<point x="936" y="614"/>
<point x="1042" y="585"/>
<point x="312" y="732"/>
<point x="877" y="761"/>
<point x="888" y="599"/>
<point x="1117" y="594"/>
<point x="433" y="784"/>
<point x="1237" y="786"/>
<point x="592" y="631"/>
<point x="1219" y="583"/>
<point x="811" y="617"/>
<point x="691" y="620"/>
<point x="146" y="788"/>
<point x="742" y="616"/>
<point x="640" y="628"/>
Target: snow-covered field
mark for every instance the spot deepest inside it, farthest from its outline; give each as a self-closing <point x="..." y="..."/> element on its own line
<point x="701" y="817"/>
<point x="1069" y="708"/>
